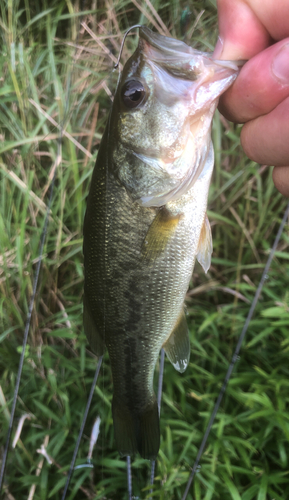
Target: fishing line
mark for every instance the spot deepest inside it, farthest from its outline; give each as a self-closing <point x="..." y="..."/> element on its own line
<point x="122" y="43"/>
<point x="71" y="469"/>
<point x="236" y="353"/>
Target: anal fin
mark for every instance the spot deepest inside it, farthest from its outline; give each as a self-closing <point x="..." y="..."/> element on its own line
<point x="160" y="231"/>
<point x="205" y="246"/>
<point x="177" y="347"/>
<point x="93" y="336"/>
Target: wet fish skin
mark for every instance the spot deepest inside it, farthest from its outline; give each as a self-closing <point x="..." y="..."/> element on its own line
<point x="145" y="224"/>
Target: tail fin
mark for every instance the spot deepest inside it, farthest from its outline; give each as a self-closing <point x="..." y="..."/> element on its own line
<point x="136" y="431"/>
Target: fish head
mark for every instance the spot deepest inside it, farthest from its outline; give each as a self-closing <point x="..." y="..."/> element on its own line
<point x="161" y="117"/>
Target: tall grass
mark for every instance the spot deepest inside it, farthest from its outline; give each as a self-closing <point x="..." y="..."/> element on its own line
<point x="56" y="74"/>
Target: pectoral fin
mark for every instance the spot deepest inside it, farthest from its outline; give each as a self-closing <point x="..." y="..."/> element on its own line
<point x="205" y="247"/>
<point x="177" y="347"/>
<point x="160" y="231"/>
<point x="93" y="336"/>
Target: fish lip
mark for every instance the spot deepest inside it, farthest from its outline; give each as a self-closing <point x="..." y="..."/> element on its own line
<point x="234" y="65"/>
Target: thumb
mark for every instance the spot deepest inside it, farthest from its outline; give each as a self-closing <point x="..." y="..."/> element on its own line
<point x="241" y="33"/>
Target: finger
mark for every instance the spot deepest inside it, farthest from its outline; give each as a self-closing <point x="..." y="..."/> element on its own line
<point x="262" y="84"/>
<point x="265" y="139"/>
<point x="281" y="179"/>
<point x="241" y="33"/>
<point x="248" y="26"/>
<point x="273" y="15"/>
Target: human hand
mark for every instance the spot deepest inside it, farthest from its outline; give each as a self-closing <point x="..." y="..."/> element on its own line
<point x="259" y="31"/>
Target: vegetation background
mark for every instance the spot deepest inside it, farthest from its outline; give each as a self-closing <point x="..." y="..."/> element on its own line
<point x="56" y="73"/>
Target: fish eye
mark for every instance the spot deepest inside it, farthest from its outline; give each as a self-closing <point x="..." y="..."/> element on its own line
<point x="132" y="93"/>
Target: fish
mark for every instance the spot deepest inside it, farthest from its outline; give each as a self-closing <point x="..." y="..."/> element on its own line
<point x="146" y="223"/>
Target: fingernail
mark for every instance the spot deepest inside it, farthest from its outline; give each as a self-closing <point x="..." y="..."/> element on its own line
<point x="219" y="48"/>
<point x="280" y="65"/>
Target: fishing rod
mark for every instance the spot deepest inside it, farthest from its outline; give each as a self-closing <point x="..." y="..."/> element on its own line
<point x="235" y="357"/>
<point x="66" y="116"/>
<point x="28" y="321"/>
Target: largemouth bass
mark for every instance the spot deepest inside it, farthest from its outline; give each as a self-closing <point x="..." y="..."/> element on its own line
<point x="146" y="223"/>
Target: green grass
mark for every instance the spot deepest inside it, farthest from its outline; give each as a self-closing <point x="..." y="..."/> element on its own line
<point x="50" y="65"/>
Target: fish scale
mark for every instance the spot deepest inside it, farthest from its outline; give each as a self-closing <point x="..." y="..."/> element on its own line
<point x="146" y="224"/>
